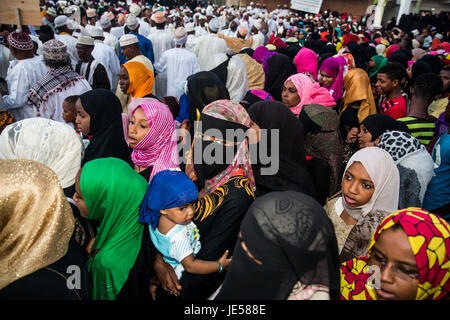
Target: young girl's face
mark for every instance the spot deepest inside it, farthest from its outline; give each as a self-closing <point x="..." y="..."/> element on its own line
<point x="364" y="136"/>
<point x="83" y="120"/>
<point x="371" y="63"/>
<point x="137" y="127"/>
<point x="325" y="79"/>
<point x="179" y="215"/>
<point x="399" y="275"/>
<point x="357" y="186"/>
<point x="78" y="197"/>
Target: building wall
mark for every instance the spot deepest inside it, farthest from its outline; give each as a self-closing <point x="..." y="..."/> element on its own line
<point x="355" y="7"/>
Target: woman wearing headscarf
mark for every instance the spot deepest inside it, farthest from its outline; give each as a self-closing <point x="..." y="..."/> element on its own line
<point x="226" y="190"/>
<point x="370" y="191"/>
<point x="286" y="250"/>
<point x="299" y="90"/>
<point x="392" y="49"/>
<point x="99" y="115"/>
<point x="151" y="133"/>
<point x="136" y="80"/>
<point x="306" y="62"/>
<point x="419" y="268"/>
<point x="332" y="77"/>
<point x="118" y="260"/>
<point x="254" y="96"/>
<point x="302" y="37"/>
<point x="358" y="100"/>
<point x="414" y="163"/>
<point x="322" y="140"/>
<point x="277" y="42"/>
<point x="37" y="246"/>
<point x="358" y="54"/>
<point x="417" y="54"/>
<point x="231" y="71"/>
<point x="292" y="173"/>
<point x="259" y="52"/>
<point x="279" y="68"/>
<point x="375" y="63"/>
<point x="56" y="145"/>
<point x="265" y="59"/>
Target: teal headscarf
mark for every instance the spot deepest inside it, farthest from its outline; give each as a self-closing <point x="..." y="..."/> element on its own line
<point x="113" y="192"/>
<point x="380" y="61"/>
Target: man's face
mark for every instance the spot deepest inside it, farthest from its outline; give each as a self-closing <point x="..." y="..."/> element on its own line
<point x="50" y="18"/>
<point x="84" y="51"/>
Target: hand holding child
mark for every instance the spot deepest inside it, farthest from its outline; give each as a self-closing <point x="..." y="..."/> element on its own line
<point x="224" y="261"/>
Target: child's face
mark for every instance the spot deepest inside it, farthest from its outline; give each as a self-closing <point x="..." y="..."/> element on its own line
<point x="371" y="64"/>
<point x="357" y="186"/>
<point x="83" y="119"/>
<point x="78" y="197"/>
<point x="137" y="127"/>
<point x="364" y="136"/>
<point x="180" y="215"/>
<point x="69" y="115"/>
<point x="384" y="84"/>
<point x="325" y="79"/>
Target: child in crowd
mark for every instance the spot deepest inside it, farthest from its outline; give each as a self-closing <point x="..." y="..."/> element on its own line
<point x="419" y="123"/>
<point x="70" y="111"/>
<point x="393" y="101"/>
<point x="167" y="207"/>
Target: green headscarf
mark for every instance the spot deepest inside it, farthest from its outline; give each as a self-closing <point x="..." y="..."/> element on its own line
<point x="113" y="192"/>
<point x="380" y="61"/>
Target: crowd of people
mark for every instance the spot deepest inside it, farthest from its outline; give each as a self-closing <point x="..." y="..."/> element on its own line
<point x="120" y="180"/>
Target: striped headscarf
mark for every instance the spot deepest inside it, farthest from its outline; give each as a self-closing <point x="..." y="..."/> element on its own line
<point x="429" y="237"/>
<point x="159" y="147"/>
<point x="227" y="110"/>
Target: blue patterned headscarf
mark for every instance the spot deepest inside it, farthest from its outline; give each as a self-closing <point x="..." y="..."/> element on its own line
<point x="167" y="189"/>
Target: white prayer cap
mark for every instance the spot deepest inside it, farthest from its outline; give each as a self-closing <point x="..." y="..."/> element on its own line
<point x="96" y="32"/>
<point x="214" y="24"/>
<point x="90" y="13"/>
<point x="135" y="9"/>
<point x="128" y="39"/>
<point x="105" y="22"/>
<point x="132" y="22"/>
<point x="68" y="11"/>
<point x="258" y="25"/>
<point x="51" y="12"/>
<point x="415" y="32"/>
<point x="190" y="27"/>
<point x="86" y="40"/>
<point x="179" y="33"/>
<point x="61" y="21"/>
<point x="439" y="36"/>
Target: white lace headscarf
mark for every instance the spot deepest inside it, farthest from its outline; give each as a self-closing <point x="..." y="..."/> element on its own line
<point x="50" y="142"/>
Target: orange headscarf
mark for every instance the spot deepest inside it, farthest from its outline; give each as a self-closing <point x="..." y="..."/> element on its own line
<point x="357" y="87"/>
<point x="141" y="79"/>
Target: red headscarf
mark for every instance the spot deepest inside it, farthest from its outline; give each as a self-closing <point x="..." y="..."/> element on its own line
<point x="277" y="42"/>
<point x="392" y="49"/>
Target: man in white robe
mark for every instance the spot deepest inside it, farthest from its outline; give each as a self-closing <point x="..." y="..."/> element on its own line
<point x="178" y="63"/>
<point x="109" y="40"/>
<point x="258" y="36"/>
<point x="144" y="27"/>
<point x="191" y="38"/>
<point x="48" y="94"/>
<point x="23" y="73"/>
<point x="65" y="36"/>
<point x="107" y="57"/>
<point x="207" y="46"/>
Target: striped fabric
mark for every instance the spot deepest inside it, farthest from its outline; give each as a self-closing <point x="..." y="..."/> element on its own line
<point x="421" y="129"/>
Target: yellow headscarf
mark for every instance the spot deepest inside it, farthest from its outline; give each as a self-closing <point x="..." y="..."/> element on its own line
<point x="141" y="79"/>
<point x="357" y="87"/>
<point x="36" y="220"/>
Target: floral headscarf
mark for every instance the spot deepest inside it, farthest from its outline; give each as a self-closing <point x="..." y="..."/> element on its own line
<point x="226" y="110"/>
<point x="429" y="237"/>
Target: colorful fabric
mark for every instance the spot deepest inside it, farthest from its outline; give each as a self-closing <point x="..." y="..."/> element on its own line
<point x="141" y="79"/>
<point x="380" y="61"/>
<point x="334" y="69"/>
<point x="306" y="62"/>
<point x="277" y="42"/>
<point x="309" y="93"/>
<point x="228" y="111"/>
<point x="429" y="237"/>
<point x="105" y="185"/>
<point x="6" y="118"/>
<point x="262" y="94"/>
<point x="392" y="49"/>
<point x="395" y="108"/>
<point x="20" y="41"/>
<point x="421" y="129"/>
<point x="158" y="149"/>
<point x="259" y="52"/>
<point x="56" y="80"/>
<point x="357" y="88"/>
<point x="168" y="189"/>
<point x="55" y="50"/>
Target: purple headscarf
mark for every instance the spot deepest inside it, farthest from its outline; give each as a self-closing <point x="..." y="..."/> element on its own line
<point x="335" y="70"/>
<point x="259" y="52"/>
<point x="266" y="56"/>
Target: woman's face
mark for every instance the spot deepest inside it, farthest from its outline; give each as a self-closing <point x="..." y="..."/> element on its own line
<point x="372" y="63"/>
<point x="289" y="96"/>
<point x="399" y="275"/>
<point x="364" y="136"/>
<point x="137" y="127"/>
<point x="325" y="79"/>
<point x="357" y="186"/>
<point x="78" y="197"/>
<point x="83" y="119"/>
<point x="124" y="79"/>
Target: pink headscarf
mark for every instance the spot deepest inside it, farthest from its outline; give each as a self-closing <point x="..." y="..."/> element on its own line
<point x="306" y="61"/>
<point x="159" y="147"/>
<point x="335" y="70"/>
<point x="309" y="93"/>
<point x="392" y="49"/>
